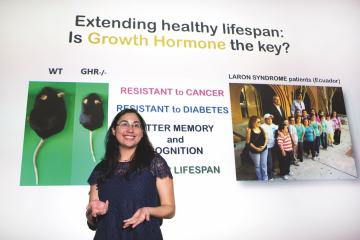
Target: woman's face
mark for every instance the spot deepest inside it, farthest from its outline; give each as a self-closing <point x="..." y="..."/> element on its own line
<point x="128" y="131"/>
<point x="306" y="122"/>
<point x="257" y="123"/>
<point x="285" y="130"/>
<point x="334" y="114"/>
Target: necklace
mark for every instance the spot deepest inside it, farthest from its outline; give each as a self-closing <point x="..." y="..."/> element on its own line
<point x="124" y="161"/>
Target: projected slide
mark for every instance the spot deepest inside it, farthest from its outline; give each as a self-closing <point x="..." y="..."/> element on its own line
<point x="318" y="129"/>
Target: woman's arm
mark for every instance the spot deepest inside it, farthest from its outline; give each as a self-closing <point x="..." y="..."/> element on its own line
<point x="165" y="188"/>
<point x="248" y="132"/>
<point x="166" y="209"/>
<point x="280" y="141"/>
<point x="266" y="138"/>
<point x="95" y="207"/>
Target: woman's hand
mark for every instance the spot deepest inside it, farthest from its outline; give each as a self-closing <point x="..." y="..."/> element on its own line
<point x="97" y="207"/>
<point x="283" y="153"/>
<point x="139" y="216"/>
<point x="259" y="149"/>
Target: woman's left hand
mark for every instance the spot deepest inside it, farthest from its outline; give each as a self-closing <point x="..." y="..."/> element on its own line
<point x="139" y="216"/>
<point x="261" y="148"/>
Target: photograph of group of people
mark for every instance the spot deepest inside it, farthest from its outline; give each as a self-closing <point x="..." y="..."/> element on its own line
<point x="290" y="133"/>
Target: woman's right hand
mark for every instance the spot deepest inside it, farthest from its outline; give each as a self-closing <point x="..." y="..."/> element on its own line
<point x="260" y="149"/>
<point x="97" y="207"/>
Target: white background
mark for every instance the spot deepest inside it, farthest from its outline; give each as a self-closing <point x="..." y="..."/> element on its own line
<point x="324" y="42"/>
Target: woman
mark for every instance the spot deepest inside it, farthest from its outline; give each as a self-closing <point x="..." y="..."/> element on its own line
<point x="285" y="144"/>
<point x="131" y="189"/>
<point x="309" y="139"/>
<point x="256" y="140"/>
<point x="313" y="113"/>
<point x="317" y="129"/>
<point x="300" y="130"/>
<point x="323" y="135"/>
<point x="330" y="130"/>
<point x="297" y="113"/>
<point x="294" y="138"/>
<point x="337" y="127"/>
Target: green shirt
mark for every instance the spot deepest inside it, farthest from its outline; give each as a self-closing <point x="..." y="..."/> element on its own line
<point x="300" y="129"/>
<point x="323" y="126"/>
<point x="315" y="126"/>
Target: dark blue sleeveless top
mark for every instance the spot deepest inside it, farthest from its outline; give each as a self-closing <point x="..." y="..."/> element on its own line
<point x="126" y="195"/>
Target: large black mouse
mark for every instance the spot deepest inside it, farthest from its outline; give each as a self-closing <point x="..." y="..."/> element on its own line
<point x="48" y="117"/>
<point x="92" y="115"/>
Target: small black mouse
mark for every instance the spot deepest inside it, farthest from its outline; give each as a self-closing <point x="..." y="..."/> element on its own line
<point x="92" y="115"/>
<point x="48" y="117"/>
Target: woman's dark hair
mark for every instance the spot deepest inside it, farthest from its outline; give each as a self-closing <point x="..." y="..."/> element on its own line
<point x="143" y="155"/>
<point x="313" y="114"/>
<point x="282" y="126"/>
<point x="252" y="121"/>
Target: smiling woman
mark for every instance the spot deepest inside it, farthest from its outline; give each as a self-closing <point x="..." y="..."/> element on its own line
<point x="131" y="189"/>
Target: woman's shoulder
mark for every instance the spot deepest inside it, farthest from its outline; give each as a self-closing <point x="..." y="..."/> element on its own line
<point x="281" y="134"/>
<point x="95" y="174"/>
<point x="98" y="172"/>
<point x="157" y="160"/>
<point x="159" y="167"/>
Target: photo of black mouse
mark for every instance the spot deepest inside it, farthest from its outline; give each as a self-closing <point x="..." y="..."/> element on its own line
<point x="92" y="115"/>
<point x="47" y="118"/>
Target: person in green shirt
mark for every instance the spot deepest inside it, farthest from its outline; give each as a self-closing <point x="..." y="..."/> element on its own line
<point x="316" y="126"/>
<point x="309" y="139"/>
<point x="300" y="130"/>
<point x="323" y="135"/>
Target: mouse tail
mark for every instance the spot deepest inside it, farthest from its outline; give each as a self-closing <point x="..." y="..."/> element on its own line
<point x="91" y="147"/>
<point x="34" y="160"/>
